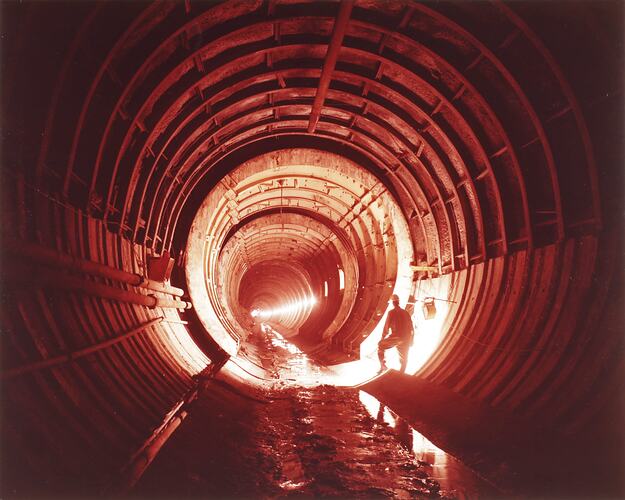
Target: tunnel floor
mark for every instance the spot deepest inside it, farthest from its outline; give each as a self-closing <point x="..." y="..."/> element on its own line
<point x="301" y="439"/>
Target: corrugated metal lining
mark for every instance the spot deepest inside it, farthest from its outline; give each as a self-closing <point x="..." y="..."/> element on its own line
<point x="86" y="378"/>
<point x="119" y="119"/>
<point x="527" y="332"/>
<point x="318" y="213"/>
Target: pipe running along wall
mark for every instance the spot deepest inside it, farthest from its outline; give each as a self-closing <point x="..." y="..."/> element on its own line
<point x="264" y="145"/>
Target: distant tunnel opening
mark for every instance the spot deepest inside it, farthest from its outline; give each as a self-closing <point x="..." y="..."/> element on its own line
<point x="272" y="231"/>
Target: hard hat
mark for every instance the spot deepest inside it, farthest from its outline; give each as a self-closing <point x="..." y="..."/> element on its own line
<point x="394" y="298"/>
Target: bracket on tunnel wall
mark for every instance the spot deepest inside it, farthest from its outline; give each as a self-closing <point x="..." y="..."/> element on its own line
<point x="429" y="308"/>
<point x="159" y="268"/>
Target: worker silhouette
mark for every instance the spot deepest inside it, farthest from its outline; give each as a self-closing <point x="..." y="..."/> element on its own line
<point x="399" y="322"/>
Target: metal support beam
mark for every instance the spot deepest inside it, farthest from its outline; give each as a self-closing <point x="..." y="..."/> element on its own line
<point x="71" y="356"/>
<point x="425" y="268"/>
<point x="143" y="457"/>
<point x="338" y="33"/>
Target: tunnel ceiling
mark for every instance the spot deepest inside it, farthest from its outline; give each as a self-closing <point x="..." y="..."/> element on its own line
<point x="394" y="142"/>
<point x="442" y="98"/>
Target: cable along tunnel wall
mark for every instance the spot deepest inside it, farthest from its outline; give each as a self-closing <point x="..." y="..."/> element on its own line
<point x="89" y="371"/>
<point x="493" y="127"/>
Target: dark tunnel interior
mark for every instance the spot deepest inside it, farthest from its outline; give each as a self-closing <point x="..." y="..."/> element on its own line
<point x="183" y="181"/>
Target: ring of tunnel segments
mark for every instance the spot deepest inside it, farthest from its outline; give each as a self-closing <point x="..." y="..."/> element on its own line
<point x="278" y="229"/>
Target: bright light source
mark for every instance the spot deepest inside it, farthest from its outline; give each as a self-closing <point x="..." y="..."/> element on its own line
<point x="341" y="279"/>
<point x="289" y="308"/>
<point x="373" y="406"/>
<point x="428" y="332"/>
<point x="428" y="335"/>
<point x="325" y="288"/>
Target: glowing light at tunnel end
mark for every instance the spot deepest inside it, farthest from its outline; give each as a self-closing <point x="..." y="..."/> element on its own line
<point x="293" y="307"/>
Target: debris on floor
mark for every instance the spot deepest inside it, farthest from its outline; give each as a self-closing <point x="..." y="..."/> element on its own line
<point x="303" y="440"/>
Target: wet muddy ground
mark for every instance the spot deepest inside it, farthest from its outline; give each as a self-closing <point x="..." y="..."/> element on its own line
<point x="312" y="442"/>
<point x="300" y="439"/>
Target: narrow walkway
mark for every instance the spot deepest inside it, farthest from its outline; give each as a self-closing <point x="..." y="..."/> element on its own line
<point x="301" y="440"/>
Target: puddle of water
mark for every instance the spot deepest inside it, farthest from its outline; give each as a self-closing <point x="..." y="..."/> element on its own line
<point x="454" y="478"/>
<point x="293" y="365"/>
<point x="278" y="340"/>
<point x="291" y="486"/>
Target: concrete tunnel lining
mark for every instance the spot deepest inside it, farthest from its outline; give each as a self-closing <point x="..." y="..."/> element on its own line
<point x="495" y="131"/>
<point x="354" y="204"/>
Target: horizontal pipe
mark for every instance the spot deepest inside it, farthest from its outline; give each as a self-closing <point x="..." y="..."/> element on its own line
<point x="175" y="321"/>
<point x="66" y="358"/>
<point x="424" y="268"/>
<point x="51" y="257"/>
<point x="55" y="279"/>
<point x="170" y="303"/>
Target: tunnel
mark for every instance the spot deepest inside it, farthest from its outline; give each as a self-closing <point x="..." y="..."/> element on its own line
<point x="193" y="190"/>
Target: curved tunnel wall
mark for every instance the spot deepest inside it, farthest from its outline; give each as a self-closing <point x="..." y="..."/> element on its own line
<point x="495" y="126"/>
<point x="532" y="343"/>
<point x="366" y="238"/>
<point x="89" y="370"/>
<point x="272" y="283"/>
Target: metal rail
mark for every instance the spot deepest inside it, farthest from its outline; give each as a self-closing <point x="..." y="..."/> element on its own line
<point x="141" y="459"/>
<point x="71" y="356"/>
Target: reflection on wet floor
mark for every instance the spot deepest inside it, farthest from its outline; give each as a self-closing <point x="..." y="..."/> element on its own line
<point x="304" y="439"/>
<point x="296" y="367"/>
<point x="290" y="365"/>
<point x="452" y="476"/>
<point x="450" y="473"/>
